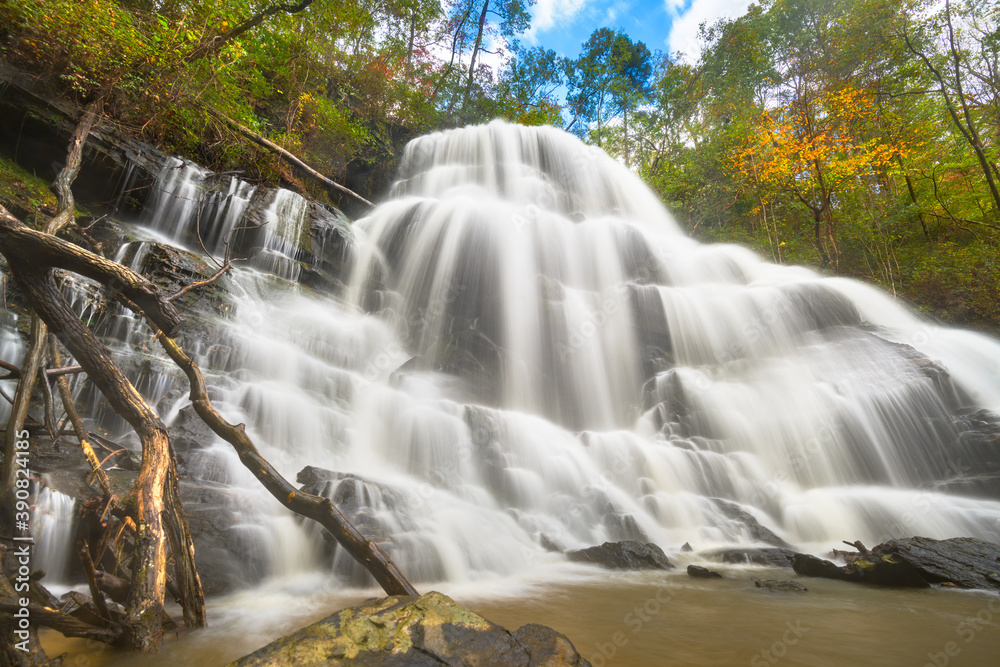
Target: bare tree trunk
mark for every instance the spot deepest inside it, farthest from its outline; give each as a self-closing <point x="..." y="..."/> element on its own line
<point x="31" y="256"/>
<point x="971" y="136"/>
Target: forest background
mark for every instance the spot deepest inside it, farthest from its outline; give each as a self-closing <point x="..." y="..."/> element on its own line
<point x="860" y="137"/>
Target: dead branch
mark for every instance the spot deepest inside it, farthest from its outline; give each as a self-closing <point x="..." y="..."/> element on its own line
<point x="125" y="284"/>
<point x="62" y="186"/>
<point x="15" y="372"/>
<point x="64" y="623"/>
<point x="78" y="427"/>
<point x="857" y="545"/>
<point x="95" y="591"/>
<point x="271" y="146"/>
<point x="15" y="425"/>
<point x="319" y="509"/>
<point x="201" y="283"/>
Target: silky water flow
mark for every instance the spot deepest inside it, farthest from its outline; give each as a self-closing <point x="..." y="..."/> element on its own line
<point x="528" y="356"/>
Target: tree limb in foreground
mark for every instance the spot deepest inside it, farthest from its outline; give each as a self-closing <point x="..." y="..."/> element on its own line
<point x="317" y="508"/>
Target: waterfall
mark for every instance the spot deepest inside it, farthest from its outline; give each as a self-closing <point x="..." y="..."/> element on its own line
<point x="52" y="523"/>
<point x="528" y="355"/>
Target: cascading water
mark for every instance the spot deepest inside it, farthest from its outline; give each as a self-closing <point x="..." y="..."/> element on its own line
<point x="52" y="521"/>
<point x="529" y="356"/>
<point x="633" y="376"/>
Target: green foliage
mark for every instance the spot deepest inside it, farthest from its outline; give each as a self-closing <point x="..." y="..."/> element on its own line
<point x="819" y="132"/>
<point x="609" y="78"/>
<point x="832" y="132"/>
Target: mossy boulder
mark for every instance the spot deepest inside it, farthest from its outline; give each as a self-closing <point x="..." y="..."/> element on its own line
<point x="408" y="630"/>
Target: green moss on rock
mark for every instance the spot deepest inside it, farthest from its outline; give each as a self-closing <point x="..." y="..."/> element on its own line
<point x="427" y="630"/>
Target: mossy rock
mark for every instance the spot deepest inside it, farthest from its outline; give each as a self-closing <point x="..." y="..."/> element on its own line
<point x="408" y="630"/>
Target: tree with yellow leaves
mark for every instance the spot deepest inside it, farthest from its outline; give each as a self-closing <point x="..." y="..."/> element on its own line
<point x="815" y="149"/>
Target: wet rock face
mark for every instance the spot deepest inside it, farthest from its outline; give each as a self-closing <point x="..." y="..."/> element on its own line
<point x="36" y="127"/>
<point x="754" y="528"/>
<point x="627" y="555"/>
<point x="406" y="630"/>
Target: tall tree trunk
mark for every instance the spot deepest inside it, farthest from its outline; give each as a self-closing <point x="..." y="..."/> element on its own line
<point x="969" y="133"/>
<point x="475" y="51"/>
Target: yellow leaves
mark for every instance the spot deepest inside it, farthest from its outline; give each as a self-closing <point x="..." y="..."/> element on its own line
<point x="819" y="143"/>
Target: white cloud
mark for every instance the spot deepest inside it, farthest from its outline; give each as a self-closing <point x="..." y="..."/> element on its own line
<point x="684" y="30"/>
<point x="547" y="13"/>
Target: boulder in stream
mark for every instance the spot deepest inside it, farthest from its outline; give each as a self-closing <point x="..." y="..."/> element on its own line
<point x="915" y="562"/>
<point x="626" y="555"/>
<point x="770" y="557"/>
<point x="700" y="572"/>
<point x="408" y="630"/>
<point x="963" y="561"/>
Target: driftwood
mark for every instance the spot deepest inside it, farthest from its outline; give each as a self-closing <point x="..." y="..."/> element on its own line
<point x="152" y="503"/>
<point x="319" y="509"/>
<point x="128" y="287"/>
<point x="152" y="509"/>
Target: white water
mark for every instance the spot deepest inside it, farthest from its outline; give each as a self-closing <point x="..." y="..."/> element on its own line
<point x="52" y="521"/>
<point x="530" y="352"/>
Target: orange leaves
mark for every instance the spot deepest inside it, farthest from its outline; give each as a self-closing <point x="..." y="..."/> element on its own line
<point x="816" y="144"/>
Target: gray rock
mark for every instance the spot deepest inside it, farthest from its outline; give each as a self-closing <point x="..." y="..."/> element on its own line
<point x="756" y="531"/>
<point x="627" y="555"/>
<point x="700" y="572"/>
<point x="772" y="557"/>
<point x="963" y="561"/>
<point x="879" y="570"/>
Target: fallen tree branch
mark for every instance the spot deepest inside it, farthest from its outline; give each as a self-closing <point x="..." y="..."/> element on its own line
<point x="91" y="573"/>
<point x="271" y="146"/>
<point x="65" y="212"/>
<point x="319" y="509"/>
<point x="78" y="427"/>
<point x="145" y="502"/>
<point x="15" y="372"/>
<point x="124" y="283"/>
<point x="201" y="283"/>
<point x="62" y="186"/>
<point x="32" y="257"/>
<point x="64" y="623"/>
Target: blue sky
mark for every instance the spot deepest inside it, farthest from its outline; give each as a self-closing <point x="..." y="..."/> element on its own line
<point x="665" y="25"/>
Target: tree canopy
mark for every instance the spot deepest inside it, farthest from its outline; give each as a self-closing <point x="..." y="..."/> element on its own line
<point x="859" y="136"/>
